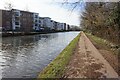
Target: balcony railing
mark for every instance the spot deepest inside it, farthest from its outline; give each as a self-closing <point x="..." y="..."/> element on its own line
<point x="17" y="14"/>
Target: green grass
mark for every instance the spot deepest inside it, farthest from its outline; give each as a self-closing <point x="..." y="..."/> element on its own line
<point x="97" y="39"/>
<point x="57" y="67"/>
<point x="113" y="51"/>
<point x="104" y="43"/>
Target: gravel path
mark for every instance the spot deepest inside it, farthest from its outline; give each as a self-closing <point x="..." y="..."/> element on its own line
<point x="87" y="62"/>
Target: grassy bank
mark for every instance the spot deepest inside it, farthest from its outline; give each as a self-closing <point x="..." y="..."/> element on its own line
<point x="104" y="43"/>
<point x="57" y="67"/>
<point x="110" y="51"/>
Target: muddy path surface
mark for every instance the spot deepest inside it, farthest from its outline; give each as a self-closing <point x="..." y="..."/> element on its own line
<point x="87" y="62"/>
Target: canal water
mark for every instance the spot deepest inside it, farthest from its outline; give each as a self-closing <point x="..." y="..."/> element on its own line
<point x="26" y="56"/>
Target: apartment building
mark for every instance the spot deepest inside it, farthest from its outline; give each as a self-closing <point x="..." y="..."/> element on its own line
<point x="22" y="20"/>
<point x="25" y="21"/>
<point x="47" y="22"/>
<point x="0" y="20"/>
<point x="52" y="25"/>
<point x="5" y="20"/>
<point x="65" y="26"/>
<point x="36" y="21"/>
<point x="60" y="26"/>
<point x="16" y="20"/>
<point x="16" y="26"/>
<point x="68" y="27"/>
<point x="55" y="25"/>
<point x="41" y="23"/>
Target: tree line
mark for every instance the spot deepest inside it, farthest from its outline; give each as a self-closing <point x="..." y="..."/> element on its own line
<point x="103" y="20"/>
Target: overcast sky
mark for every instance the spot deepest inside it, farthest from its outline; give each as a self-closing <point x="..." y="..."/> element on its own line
<point x="46" y="8"/>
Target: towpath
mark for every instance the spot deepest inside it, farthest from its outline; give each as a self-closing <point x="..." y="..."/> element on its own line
<point x="87" y="62"/>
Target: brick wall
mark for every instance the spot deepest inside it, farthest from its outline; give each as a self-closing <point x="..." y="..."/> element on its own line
<point x="26" y="20"/>
<point x="6" y="20"/>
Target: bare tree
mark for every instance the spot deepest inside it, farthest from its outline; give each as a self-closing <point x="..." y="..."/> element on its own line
<point x="101" y="18"/>
<point x="8" y="6"/>
<point x="72" y="4"/>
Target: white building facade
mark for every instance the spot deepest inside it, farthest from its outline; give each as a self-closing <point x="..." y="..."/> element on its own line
<point x="16" y="19"/>
<point x="60" y="26"/>
<point x="36" y="21"/>
<point x="41" y="22"/>
<point x="52" y="24"/>
<point x="47" y="22"/>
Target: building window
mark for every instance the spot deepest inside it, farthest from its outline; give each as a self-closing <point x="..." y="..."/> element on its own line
<point x="16" y="23"/>
<point x="17" y="28"/>
<point x="17" y="14"/>
<point x="39" y="25"/>
<point x="35" y="20"/>
<point x="35" y="24"/>
<point x="39" y="21"/>
<point x="17" y="18"/>
<point x="36" y="16"/>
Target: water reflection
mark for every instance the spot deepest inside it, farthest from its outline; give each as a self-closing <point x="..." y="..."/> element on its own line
<point x="26" y="56"/>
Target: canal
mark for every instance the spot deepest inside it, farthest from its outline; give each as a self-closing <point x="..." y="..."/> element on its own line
<point x="26" y="56"/>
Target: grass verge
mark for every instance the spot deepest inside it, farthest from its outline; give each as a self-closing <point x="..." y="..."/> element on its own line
<point x="110" y="51"/>
<point x="104" y="43"/>
<point x="57" y="67"/>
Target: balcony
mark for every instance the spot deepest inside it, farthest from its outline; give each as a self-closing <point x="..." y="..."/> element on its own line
<point x="17" y="24"/>
<point x="17" y="18"/>
<point x="36" y="16"/>
<point x="17" y="14"/>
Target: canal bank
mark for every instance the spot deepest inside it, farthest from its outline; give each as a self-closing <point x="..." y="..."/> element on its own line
<point x="7" y="34"/>
<point x="57" y="67"/>
<point x="26" y="56"/>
